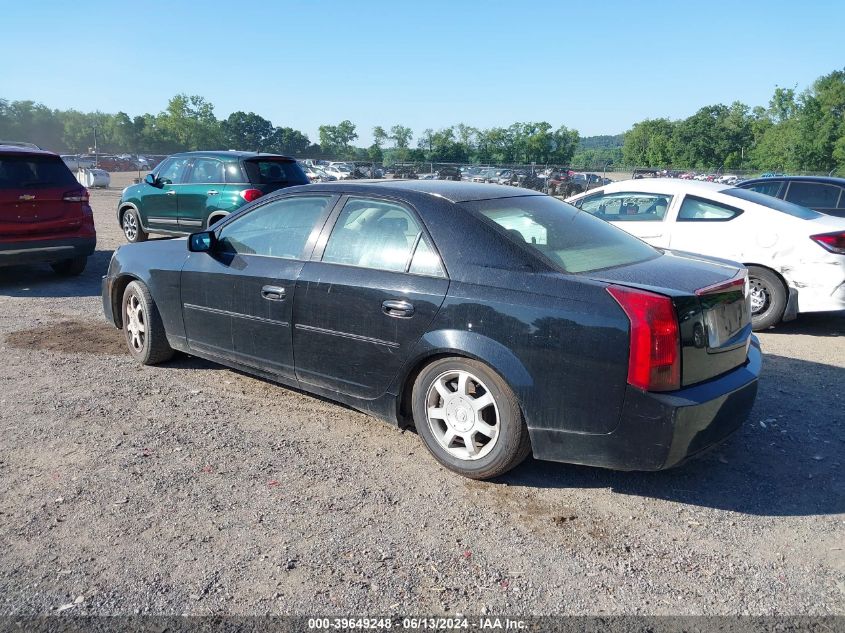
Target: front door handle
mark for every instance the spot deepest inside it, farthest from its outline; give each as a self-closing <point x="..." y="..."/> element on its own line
<point x="273" y="293"/>
<point x="399" y="309"/>
<point x="170" y="193"/>
<point x="212" y="192"/>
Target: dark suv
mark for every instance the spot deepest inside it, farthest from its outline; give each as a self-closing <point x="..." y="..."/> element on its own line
<point x="821" y="193"/>
<point x="189" y="192"/>
<point x="44" y="212"/>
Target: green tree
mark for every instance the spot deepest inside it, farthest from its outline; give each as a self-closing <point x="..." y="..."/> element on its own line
<point x="247" y="131"/>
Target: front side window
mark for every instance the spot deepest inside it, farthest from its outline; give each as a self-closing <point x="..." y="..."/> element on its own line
<point x="276" y="229"/>
<point x="171" y="170"/>
<point x="628" y="207"/>
<point x="769" y="188"/>
<point x="697" y="210"/>
<point x="570" y="241"/>
<point x="381" y="235"/>
<point x="814" y="195"/>
<point x="207" y="171"/>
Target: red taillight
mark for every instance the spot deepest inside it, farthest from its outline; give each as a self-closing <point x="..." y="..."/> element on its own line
<point x="77" y="195"/>
<point x="251" y="194"/>
<point x="654" y="359"/>
<point x="834" y="242"/>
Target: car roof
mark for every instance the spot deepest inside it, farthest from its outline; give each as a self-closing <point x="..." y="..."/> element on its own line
<point x="234" y="154"/>
<point x="26" y="151"/>
<point x="829" y="180"/>
<point x="450" y="190"/>
<point x="667" y="186"/>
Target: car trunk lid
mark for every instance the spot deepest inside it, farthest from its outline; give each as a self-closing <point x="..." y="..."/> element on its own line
<point x="269" y="173"/>
<point x="711" y="302"/>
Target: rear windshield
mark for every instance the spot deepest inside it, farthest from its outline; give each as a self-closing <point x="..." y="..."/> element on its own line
<point x="571" y="240"/>
<point x="774" y="203"/>
<point x="34" y="172"/>
<point x="274" y="172"/>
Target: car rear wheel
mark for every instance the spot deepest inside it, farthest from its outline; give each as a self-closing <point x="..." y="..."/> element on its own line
<point x="142" y="326"/>
<point x="69" y="267"/>
<point x="768" y="298"/>
<point x="469" y="418"/>
<point x="132" y="229"/>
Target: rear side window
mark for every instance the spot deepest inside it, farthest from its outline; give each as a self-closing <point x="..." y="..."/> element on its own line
<point x="34" y="172"/>
<point x="699" y="210"/>
<point x="274" y="172"/>
<point x="813" y="194"/>
<point x="773" y="203"/>
<point x="207" y="170"/>
<point x="380" y="235"/>
<point x="570" y="240"/>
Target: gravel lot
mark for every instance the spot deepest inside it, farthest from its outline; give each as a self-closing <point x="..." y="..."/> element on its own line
<point x="190" y="488"/>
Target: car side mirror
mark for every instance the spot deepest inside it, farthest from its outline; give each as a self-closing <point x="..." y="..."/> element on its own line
<point x="202" y="242"/>
<point x="151" y="180"/>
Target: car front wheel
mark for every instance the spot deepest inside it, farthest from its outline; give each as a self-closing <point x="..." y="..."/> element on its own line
<point x="132" y="229"/>
<point x="142" y="326"/>
<point x="469" y="418"/>
<point x="768" y="298"/>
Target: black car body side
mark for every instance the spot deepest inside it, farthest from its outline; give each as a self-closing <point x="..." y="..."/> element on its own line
<point x="560" y="341"/>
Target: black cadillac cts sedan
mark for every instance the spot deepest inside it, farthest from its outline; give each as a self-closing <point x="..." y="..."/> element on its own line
<point x="497" y="321"/>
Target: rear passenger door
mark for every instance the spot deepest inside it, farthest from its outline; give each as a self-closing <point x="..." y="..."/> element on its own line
<point x="199" y="196"/>
<point x="372" y="288"/>
<point x="710" y="228"/>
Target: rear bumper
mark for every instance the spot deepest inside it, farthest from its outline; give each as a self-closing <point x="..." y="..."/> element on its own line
<point x="33" y="252"/>
<point x="658" y="431"/>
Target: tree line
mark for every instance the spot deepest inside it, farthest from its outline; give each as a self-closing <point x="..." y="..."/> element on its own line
<point x="188" y="123"/>
<point x="795" y="132"/>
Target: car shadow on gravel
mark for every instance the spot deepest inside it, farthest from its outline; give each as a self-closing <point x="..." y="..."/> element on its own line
<point x="786" y="460"/>
<point x="39" y="280"/>
<point x="814" y="324"/>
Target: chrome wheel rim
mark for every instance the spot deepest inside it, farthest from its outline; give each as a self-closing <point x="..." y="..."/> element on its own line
<point x="462" y="415"/>
<point x="130" y="226"/>
<point x="760" y="296"/>
<point x="136" y="324"/>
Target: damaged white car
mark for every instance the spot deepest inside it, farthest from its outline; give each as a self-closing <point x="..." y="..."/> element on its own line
<point x="795" y="256"/>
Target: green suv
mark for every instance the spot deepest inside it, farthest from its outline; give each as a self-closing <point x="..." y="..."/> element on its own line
<point x="189" y="192"/>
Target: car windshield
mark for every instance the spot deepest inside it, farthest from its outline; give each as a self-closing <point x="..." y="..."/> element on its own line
<point x="777" y="204"/>
<point x="267" y="172"/>
<point x="572" y="241"/>
<point x="34" y="172"/>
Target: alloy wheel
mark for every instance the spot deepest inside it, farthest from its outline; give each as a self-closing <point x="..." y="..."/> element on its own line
<point x="761" y="297"/>
<point x="462" y="415"/>
<point x="130" y="226"/>
<point x="136" y="324"/>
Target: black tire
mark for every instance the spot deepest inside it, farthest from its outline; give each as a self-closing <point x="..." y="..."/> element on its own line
<point x="131" y="225"/>
<point x="70" y="267"/>
<point x="511" y="445"/>
<point x="149" y="347"/>
<point x="769" y="287"/>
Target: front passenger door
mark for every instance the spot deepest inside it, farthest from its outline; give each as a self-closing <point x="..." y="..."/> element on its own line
<point x="360" y="309"/>
<point x="160" y="207"/>
<point x="237" y="300"/>
<point x="640" y="214"/>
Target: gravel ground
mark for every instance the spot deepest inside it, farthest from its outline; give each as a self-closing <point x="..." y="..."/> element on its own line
<point x="190" y="488"/>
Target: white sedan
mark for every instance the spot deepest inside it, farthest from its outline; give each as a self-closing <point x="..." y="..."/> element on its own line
<point x="795" y="256"/>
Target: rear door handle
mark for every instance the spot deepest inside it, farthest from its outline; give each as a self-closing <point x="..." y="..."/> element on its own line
<point x="170" y="193"/>
<point x="397" y="308"/>
<point x="273" y="293"/>
<point x="212" y="192"/>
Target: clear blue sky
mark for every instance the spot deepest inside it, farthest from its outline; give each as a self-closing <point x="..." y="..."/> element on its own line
<point x="597" y="67"/>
